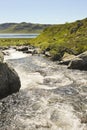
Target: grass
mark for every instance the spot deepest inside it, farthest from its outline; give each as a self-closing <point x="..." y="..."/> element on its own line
<point x="71" y="37"/>
<point x="14" y="41"/>
<point x="58" y="39"/>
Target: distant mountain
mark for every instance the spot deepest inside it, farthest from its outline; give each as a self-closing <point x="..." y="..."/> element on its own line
<point x="22" y="27"/>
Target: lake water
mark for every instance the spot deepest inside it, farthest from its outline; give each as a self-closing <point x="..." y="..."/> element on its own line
<point x="18" y="35"/>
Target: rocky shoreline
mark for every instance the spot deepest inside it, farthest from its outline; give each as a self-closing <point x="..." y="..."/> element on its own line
<point x="72" y="61"/>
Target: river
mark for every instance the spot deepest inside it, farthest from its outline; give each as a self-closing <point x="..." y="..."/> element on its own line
<point x="51" y="97"/>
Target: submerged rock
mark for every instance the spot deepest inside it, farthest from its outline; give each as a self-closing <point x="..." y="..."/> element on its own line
<point x="9" y="80"/>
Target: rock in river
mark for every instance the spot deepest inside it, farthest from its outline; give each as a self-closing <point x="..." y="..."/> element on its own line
<point x="79" y="62"/>
<point x="9" y="80"/>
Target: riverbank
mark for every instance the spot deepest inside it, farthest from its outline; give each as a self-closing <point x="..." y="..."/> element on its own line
<point x="72" y="61"/>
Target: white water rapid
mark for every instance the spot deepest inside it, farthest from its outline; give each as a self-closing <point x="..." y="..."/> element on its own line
<point x="51" y="96"/>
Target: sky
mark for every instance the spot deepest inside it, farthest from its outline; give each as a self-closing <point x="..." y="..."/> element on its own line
<point x="42" y="11"/>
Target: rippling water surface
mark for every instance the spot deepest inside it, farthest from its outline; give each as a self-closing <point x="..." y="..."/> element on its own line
<point x="51" y="97"/>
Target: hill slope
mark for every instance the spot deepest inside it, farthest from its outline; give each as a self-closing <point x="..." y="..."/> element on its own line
<point x="22" y="27"/>
<point x="71" y="37"/>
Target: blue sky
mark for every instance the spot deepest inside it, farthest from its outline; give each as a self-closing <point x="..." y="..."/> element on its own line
<point x="42" y="11"/>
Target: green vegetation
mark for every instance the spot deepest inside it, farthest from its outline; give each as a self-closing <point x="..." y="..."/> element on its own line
<point x="68" y="37"/>
<point x="57" y="39"/>
<point x="22" y="27"/>
<point x="14" y="41"/>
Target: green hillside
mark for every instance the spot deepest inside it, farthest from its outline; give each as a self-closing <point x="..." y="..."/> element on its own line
<point x="22" y="27"/>
<point x="57" y="39"/>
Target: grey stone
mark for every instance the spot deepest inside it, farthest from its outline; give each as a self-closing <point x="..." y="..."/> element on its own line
<point x="79" y="62"/>
<point x="9" y="80"/>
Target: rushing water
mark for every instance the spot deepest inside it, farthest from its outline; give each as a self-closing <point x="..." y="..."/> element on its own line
<point x="51" y="97"/>
<point x="18" y="35"/>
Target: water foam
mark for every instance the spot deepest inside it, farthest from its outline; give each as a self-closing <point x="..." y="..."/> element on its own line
<point x="13" y="54"/>
<point x="46" y="110"/>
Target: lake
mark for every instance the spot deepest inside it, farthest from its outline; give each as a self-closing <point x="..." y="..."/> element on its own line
<point x="33" y="35"/>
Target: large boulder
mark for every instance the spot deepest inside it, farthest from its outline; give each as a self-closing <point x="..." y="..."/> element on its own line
<point x="9" y="80"/>
<point x="79" y="62"/>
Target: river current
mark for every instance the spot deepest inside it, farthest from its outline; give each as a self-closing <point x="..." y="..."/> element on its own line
<point x="51" y="97"/>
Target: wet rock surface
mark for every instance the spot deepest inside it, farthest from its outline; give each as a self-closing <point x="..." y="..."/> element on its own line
<point x="51" y="97"/>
